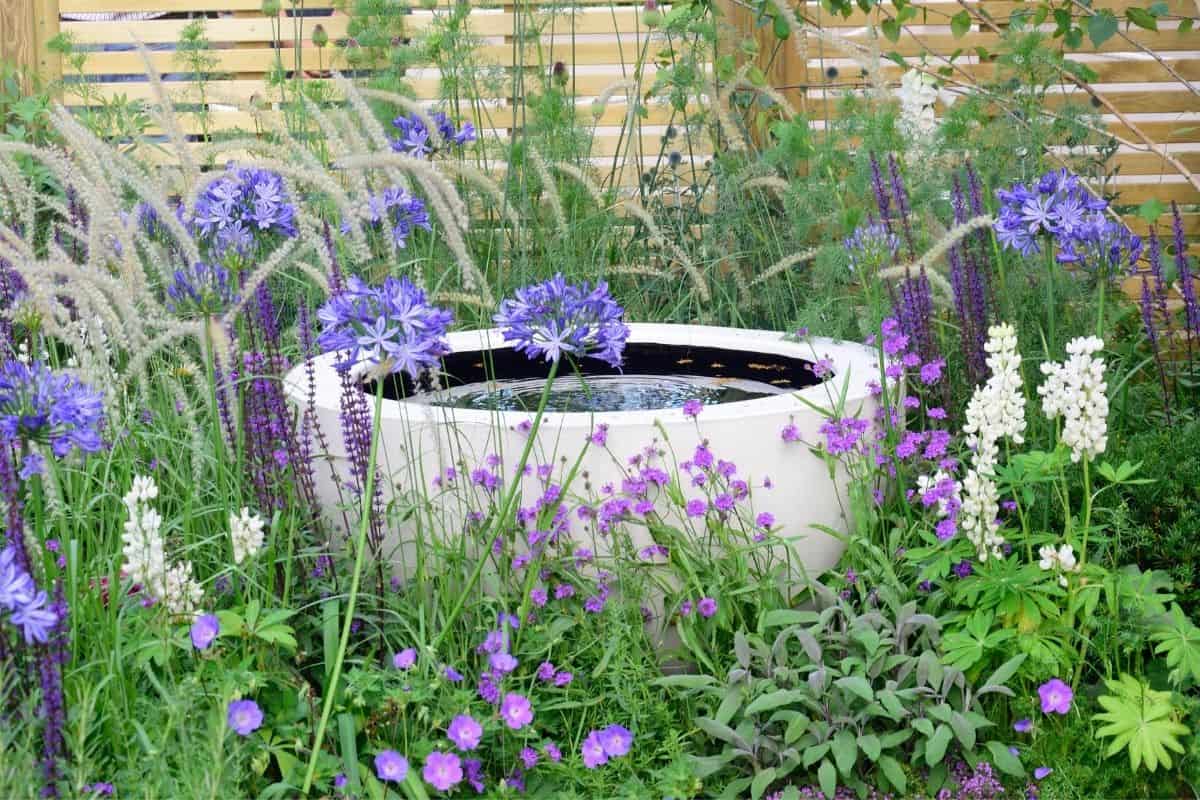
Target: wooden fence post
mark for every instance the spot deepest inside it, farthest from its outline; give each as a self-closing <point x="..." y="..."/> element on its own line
<point x="26" y="27"/>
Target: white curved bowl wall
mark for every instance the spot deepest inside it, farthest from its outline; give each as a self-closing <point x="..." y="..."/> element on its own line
<point x="419" y="442"/>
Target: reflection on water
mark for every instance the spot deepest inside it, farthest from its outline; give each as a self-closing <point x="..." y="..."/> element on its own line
<point x="601" y="393"/>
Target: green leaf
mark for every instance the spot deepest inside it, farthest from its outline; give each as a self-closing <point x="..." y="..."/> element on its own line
<point x="685" y="681"/>
<point x="858" y="685"/>
<point x="1186" y="25"/>
<point x="869" y="744"/>
<point x="845" y="751"/>
<point x="1179" y="641"/>
<point x="935" y="750"/>
<point x="827" y="775"/>
<point x="1101" y="27"/>
<point x="781" y="617"/>
<point x="1005" y="760"/>
<point x="716" y="730"/>
<point x="814" y="754"/>
<point x="1142" y="720"/>
<point x="1151" y="210"/>
<point x="1005" y="671"/>
<point x="729" y="706"/>
<point x="893" y="772"/>
<point x="960" y="23"/>
<point x="761" y="781"/>
<point x="1142" y="18"/>
<point x="891" y="31"/>
<point x="773" y="700"/>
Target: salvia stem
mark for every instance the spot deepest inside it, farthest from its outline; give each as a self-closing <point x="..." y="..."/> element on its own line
<point x="360" y="547"/>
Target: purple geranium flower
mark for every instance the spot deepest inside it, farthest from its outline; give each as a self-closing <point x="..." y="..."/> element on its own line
<point x="464" y="732"/>
<point x="245" y="717"/>
<point x="616" y="740"/>
<point x="1023" y="725"/>
<point x="405" y="659"/>
<point x="707" y="607"/>
<point x="391" y="766"/>
<point x="443" y="771"/>
<point x="516" y="711"/>
<point x="204" y="630"/>
<point x="1056" y="697"/>
<point x="592" y="751"/>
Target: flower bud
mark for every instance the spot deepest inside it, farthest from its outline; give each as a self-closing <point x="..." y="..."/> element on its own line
<point x="651" y="16"/>
<point x="319" y="37"/>
<point x="270" y="8"/>
<point x="559" y="74"/>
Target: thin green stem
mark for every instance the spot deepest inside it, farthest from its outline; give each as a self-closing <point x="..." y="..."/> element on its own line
<point x="506" y="509"/>
<point x="360" y="547"/>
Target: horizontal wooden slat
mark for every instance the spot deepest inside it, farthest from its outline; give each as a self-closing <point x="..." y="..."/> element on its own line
<point x="933" y="13"/>
<point x="259" y="29"/>
<point x="910" y="44"/>
<point x="1138" y="193"/>
<point x="1191" y="225"/>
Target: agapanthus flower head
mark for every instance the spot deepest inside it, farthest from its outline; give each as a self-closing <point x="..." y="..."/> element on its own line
<point x="245" y="717"/>
<point x="871" y="247"/>
<point x="1057" y="204"/>
<point x="201" y="289"/>
<point x="391" y="327"/>
<point x="38" y="405"/>
<point x="399" y="211"/>
<point x="414" y="138"/>
<point x="243" y="207"/>
<point x="554" y="317"/>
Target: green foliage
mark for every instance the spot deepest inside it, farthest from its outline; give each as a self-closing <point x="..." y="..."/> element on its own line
<point x="1141" y="720"/>
<point x="845" y="697"/>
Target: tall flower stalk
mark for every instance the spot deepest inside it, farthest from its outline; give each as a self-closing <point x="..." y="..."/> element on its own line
<point x="387" y="330"/>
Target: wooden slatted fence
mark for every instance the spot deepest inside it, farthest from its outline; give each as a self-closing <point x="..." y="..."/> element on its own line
<point x="600" y="38"/>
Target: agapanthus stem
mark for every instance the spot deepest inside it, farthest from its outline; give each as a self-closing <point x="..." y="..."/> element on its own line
<point x="506" y="509"/>
<point x="1051" y="265"/>
<point x="360" y="547"/>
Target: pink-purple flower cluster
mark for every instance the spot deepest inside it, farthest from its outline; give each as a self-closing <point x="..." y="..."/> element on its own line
<point x="392" y="326"/>
<point x="549" y="319"/>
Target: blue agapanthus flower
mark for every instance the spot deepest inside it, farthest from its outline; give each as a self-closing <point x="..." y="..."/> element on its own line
<point x="1103" y="244"/>
<point x="237" y="211"/>
<point x="391" y="326"/>
<point x="400" y="211"/>
<point x="204" y="289"/>
<point x="27" y="605"/>
<point x="554" y="317"/>
<point x="1058" y="205"/>
<point x="414" y="138"/>
<point x="40" y="406"/>
<point x="871" y="246"/>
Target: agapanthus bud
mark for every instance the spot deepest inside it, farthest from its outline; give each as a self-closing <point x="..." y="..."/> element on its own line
<point x="319" y="37"/>
<point x="560" y="74"/>
<point x="270" y="8"/>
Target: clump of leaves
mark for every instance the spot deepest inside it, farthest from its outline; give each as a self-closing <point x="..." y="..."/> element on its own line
<point x="848" y="695"/>
<point x="1142" y="720"/>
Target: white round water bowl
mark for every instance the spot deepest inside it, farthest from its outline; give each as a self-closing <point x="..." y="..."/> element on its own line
<point x="421" y="441"/>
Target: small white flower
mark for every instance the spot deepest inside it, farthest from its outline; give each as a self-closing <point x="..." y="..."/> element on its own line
<point x="144" y="553"/>
<point x="977" y="517"/>
<point x="246" y="531"/>
<point x="1076" y="391"/>
<point x="1061" y="561"/>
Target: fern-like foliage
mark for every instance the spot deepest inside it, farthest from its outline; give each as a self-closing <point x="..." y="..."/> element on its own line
<point x="1141" y="720"/>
